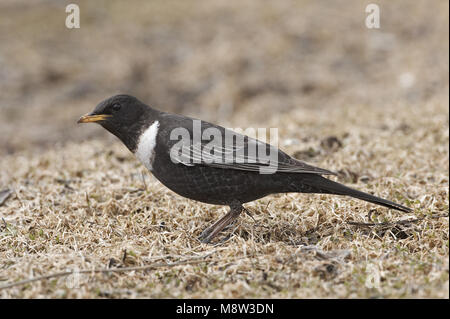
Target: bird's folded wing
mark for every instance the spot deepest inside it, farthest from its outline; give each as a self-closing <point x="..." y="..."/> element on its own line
<point x="251" y="155"/>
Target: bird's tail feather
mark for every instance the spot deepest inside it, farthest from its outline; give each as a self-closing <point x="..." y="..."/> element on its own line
<point x="328" y="186"/>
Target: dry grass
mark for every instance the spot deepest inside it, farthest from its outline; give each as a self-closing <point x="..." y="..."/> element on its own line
<point x="311" y="69"/>
<point x="81" y="206"/>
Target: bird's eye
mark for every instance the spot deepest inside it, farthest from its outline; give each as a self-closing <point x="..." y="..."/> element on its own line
<point x="116" y="107"/>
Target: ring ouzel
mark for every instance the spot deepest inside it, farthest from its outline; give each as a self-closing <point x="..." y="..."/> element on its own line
<point x="212" y="170"/>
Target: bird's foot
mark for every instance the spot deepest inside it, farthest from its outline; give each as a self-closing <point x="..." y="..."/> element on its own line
<point x="205" y="237"/>
<point x="211" y="232"/>
<point x="249" y="214"/>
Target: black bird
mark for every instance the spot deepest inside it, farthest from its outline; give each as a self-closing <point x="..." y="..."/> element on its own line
<point x="211" y="164"/>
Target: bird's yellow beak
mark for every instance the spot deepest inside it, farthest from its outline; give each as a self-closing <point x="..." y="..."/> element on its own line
<point x="93" y="118"/>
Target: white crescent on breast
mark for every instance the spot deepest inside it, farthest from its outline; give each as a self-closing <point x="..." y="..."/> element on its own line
<point x="145" y="151"/>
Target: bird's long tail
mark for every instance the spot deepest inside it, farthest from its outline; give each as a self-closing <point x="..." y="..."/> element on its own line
<point x="324" y="185"/>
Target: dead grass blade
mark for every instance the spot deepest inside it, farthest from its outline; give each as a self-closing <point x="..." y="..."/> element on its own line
<point x="191" y="261"/>
<point x="4" y="195"/>
<point x="397" y="223"/>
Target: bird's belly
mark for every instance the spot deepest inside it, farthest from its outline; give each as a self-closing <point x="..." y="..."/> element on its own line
<point x="213" y="185"/>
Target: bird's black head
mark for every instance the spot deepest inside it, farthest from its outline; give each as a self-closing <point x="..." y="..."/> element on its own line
<point x="124" y="116"/>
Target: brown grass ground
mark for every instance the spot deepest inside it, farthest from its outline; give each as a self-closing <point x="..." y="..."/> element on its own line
<point x="82" y="205"/>
<point x="84" y="201"/>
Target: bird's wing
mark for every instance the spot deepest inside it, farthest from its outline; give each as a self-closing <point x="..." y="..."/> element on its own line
<point x="248" y="154"/>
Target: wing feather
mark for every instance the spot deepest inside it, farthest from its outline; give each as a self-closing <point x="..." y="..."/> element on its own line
<point x="241" y="157"/>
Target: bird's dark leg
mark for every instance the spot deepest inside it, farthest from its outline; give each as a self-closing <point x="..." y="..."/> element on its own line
<point x="212" y="231"/>
<point x="248" y="213"/>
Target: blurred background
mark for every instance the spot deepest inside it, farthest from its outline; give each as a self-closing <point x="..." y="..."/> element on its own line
<point x="230" y="62"/>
